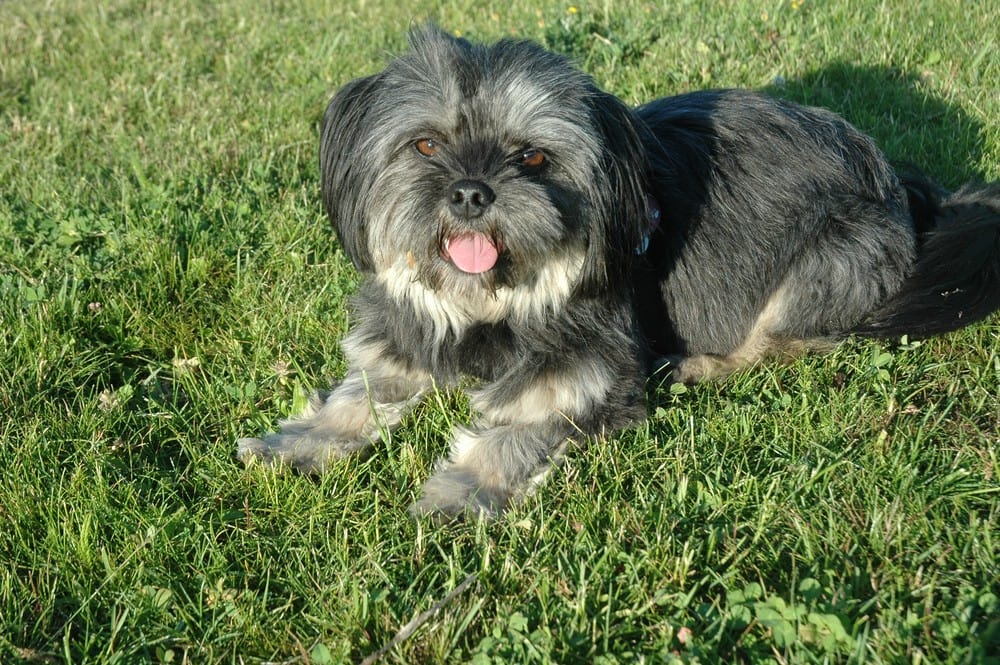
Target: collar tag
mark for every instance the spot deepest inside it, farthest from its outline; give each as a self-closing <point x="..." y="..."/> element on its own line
<point x="653" y="216"/>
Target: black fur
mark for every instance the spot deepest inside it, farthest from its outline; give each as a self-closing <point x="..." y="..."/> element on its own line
<point x="954" y="279"/>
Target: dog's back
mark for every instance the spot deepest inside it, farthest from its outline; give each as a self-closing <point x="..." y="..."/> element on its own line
<point x="786" y="229"/>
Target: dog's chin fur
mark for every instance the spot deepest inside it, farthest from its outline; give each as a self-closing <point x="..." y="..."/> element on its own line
<point x="455" y="301"/>
<point x="784" y="230"/>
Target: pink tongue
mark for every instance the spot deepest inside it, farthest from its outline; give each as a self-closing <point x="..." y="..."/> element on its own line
<point x="472" y="252"/>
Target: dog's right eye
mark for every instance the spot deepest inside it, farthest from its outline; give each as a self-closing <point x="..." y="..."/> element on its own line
<point x="427" y="147"/>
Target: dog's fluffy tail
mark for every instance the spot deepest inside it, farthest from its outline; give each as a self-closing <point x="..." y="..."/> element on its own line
<point x="956" y="278"/>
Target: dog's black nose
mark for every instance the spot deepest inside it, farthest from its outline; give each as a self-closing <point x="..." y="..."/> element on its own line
<point x="469" y="198"/>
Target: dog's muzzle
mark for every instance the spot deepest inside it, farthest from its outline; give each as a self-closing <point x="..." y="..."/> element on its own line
<point x="470" y="251"/>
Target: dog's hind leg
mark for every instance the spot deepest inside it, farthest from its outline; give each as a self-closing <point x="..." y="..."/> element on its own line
<point x="856" y="262"/>
<point x="375" y="395"/>
<point x="768" y="338"/>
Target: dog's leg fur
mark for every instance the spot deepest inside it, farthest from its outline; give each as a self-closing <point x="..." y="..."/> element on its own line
<point x="768" y="339"/>
<point x="489" y="466"/>
<point x="375" y="395"/>
<point x="519" y="437"/>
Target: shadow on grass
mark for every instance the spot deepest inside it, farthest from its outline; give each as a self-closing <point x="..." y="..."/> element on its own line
<point x="914" y="127"/>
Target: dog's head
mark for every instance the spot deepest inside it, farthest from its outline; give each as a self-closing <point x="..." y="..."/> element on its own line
<point x="478" y="169"/>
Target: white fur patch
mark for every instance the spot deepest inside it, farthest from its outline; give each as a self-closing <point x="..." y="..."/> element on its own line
<point x="463" y="445"/>
<point x="363" y="355"/>
<point x="456" y="311"/>
<point x="567" y="393"/>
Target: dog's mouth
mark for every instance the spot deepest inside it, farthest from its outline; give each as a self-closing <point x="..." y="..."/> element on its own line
<point x="473" y="253"/>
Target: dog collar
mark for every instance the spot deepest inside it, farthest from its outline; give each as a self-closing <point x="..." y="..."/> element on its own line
<point x="653" y="215"/>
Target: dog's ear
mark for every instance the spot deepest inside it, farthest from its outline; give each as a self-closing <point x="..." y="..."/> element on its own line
<point x="346" y="166"/>
<point x="619" y="197"/>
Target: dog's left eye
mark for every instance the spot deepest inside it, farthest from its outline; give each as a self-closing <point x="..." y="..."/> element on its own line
<point x="532" y="158"/>
<point x="427" y="147"/>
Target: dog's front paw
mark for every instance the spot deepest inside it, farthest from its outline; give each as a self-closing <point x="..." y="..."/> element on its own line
<point x="454" y="494"/>
<point x="254" y="450"/>
<point x="306" y="453"/>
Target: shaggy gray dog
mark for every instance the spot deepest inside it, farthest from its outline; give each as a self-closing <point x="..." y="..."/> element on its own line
<point x="506" y="215"/>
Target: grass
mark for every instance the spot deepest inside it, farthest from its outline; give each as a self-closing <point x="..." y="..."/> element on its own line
<point x="168" y="284"/>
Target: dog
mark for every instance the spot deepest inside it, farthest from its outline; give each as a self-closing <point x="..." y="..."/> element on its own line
<point x="520" y="229"/>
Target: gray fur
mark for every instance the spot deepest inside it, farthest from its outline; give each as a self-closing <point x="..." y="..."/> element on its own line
<point x="784" y="230"/>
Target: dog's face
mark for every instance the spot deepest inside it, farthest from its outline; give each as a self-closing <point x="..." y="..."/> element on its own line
<point x="477" y="171"/>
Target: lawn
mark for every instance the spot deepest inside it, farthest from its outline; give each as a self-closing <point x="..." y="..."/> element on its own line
<point x="168" y="283"/>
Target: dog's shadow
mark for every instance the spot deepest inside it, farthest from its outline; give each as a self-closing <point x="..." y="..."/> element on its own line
<point x="914" y="126"/>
